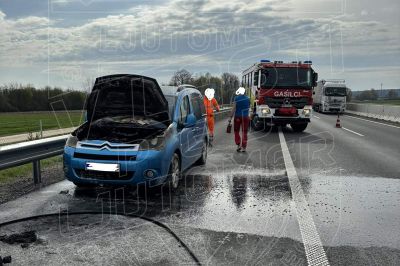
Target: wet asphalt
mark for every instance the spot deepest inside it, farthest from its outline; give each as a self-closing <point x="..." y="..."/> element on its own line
<point x="235" y="210"/>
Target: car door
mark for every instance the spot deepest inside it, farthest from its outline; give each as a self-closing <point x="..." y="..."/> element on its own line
<point x="186" y="134"/>
<point x="196" y="100"/>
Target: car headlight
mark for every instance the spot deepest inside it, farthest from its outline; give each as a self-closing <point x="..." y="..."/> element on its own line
<point x="306" y="112"/>
<point x="156" y="143"/>
<point x="265" y="111"/>
<point x="71" y="141"/>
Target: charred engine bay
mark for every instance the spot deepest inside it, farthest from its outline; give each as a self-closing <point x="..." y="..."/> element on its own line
<point x="120" y="129"/>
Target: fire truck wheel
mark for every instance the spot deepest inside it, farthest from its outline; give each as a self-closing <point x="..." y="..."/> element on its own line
<point x="259" y="124"/>
<point x="299" y="127"/>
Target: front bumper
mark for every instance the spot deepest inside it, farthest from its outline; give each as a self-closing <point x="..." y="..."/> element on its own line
<point x="276" y="120"/>
<point x="286" y="120"/>
<point x="333" y="109"/>
<point x="271" y="119"/>
<point x="131" y="172"/>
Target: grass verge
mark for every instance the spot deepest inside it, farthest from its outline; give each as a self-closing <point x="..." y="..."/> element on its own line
<point x="17" y="123"/>
<point x="9" y="175"/>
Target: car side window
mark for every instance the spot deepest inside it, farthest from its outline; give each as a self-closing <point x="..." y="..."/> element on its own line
<point x="197" y="104"/>
<point x="184" y="109"/>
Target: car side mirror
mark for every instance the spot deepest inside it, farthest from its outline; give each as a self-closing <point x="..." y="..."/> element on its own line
<point x="190" y="121"/>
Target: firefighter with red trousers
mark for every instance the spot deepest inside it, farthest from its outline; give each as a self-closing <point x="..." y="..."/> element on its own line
<point x="210" y="103"/>
<point x="240" y="112"/>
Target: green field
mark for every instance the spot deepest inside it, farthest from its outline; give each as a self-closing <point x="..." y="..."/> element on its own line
<point x="8" y="175"/>
<point x="16" y="123"/>
<point x="385" y="102"/>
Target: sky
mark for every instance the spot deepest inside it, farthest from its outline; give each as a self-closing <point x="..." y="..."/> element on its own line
<point x="66" y="43"/>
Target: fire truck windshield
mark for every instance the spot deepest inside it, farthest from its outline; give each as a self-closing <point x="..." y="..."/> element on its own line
<point x="286" y="77"/>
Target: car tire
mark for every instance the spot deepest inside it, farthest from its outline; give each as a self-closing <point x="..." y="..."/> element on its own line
<point x="203" y="159"/>
<point x="259" y="125"/>
<point x="174" y="172"/>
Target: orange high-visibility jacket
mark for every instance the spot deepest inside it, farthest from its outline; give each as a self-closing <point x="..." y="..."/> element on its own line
<point x="209" y="105"/>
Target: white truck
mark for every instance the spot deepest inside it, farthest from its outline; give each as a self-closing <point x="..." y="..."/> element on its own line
<point x="329" y="96"/>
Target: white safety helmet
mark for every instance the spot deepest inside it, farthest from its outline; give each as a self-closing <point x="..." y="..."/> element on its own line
<point x="209" y="93"/>
<point x="240" y="91"/>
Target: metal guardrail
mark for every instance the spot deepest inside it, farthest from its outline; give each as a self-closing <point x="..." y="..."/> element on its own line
<point x="36" y="150"/>
<point x="31" y="152"/>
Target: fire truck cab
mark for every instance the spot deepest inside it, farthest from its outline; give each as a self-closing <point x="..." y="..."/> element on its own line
<point x="282" y="93"/>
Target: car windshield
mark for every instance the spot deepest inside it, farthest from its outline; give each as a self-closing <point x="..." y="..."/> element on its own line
<point x="335" y="91"/>
<point x="286" y="77"/>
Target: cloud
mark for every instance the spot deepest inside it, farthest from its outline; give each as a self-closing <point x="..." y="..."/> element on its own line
<point x="194" y="34"/>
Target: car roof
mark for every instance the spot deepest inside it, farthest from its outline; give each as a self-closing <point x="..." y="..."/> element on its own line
<point x="185" y="86"/>
<point x="174" y="90"/>
<point x="169" y="90"/>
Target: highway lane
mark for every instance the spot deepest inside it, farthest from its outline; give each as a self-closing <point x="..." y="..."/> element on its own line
<point x="352" y="181"/>
<point x="240" y="209"/>
<point x="376" y="153"/>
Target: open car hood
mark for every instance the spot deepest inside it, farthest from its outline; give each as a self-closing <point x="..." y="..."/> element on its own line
<point x="127" y="95"/>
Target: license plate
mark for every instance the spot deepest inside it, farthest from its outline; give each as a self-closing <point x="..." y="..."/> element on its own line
<point x="104" y="167"/>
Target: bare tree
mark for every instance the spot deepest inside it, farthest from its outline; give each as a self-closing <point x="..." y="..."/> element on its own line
<point x="181" y="77"/>
<point x="230" y="83"/>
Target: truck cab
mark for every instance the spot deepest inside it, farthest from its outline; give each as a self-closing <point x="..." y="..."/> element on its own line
<point x="330" y="96"/>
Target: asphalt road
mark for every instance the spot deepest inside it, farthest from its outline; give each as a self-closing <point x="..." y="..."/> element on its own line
<point x="328" y="195"/>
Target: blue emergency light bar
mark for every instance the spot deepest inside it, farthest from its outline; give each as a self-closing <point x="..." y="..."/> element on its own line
<point x="265" y="61"/>
<point x="308" y="62"/>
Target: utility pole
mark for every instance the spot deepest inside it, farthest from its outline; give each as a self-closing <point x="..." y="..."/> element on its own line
<point x="381" y="90"/>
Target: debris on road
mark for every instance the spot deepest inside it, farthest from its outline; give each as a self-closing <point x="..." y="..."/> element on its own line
<point x="65" y="192"/>
<point x="26" y="237"/>
<point x="5" y="260"/>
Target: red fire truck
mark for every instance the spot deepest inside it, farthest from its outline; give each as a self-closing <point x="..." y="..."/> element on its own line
<point x="282" y="93"/>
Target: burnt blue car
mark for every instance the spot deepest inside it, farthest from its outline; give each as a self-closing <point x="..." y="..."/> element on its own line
<point x="137" y="133"/>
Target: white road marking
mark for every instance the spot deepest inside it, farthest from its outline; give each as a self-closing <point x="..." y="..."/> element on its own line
<point x="317" y="117"/>
<point x="361" y="135"/>
<point x="315" y="252"/>
<point x="372" y="121"/>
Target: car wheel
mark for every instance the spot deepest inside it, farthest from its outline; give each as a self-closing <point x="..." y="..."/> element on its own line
<point x="258" y="124"/>
<point x="203" y="157"/>
<point x="174" y="173"/>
